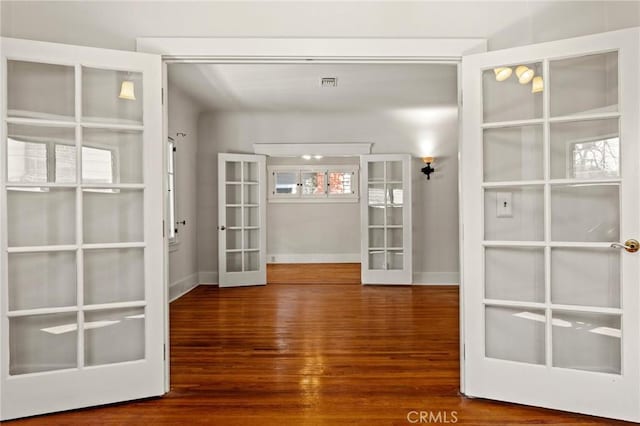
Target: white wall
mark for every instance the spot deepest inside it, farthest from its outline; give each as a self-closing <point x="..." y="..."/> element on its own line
<point x="504" y="24"/>
<point x="183" y="258"/>
<point x="418" y="132"/>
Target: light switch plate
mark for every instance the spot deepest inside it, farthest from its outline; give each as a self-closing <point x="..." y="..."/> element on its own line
<point x="504" y="204"/>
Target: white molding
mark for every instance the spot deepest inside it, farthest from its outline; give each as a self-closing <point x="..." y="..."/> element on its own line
<point x="436" y="278"/>
<point x="182" y="286"/>
<point x="208" y="278"/>
<point x="338" y="49"/>
<point x="299" y="149"/>
<point x="314" y="258"/>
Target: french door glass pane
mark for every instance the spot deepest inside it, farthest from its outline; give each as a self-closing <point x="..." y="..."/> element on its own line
<point x="376" y="194"/>
<point x="111" y="156"/>
<point x="515" y="273"/>
<point x="251" y="194"/>
<point x="251" y="171"/>
<point x="526" y="222"/>
<point x="394" y="215"/>
<point x="394" y="171"/>
<point x="234" y="217"/>
<point x="42" y="280"/>
<point x="584" y="276"/>
<point x="376" y="170"/>
<point x="587" y="341"/>
<point x="39" y="154"/>
<point x="113" y="216"/>
<point x="234" y="194"/>
<point x="251" y="261"/>
<point x="585" y="149"/>
<point x="513" y="153"/>
<point x="377" y="259"/>
<point x="511" y="98"/>
<point x="43" y="343"/>
<point x="234" y="239"/>
<point x="114" y="335"/>
<point x="395" y="260"/>
<point x="234" y="262"/>
<point x="584" y="85"/>
<point x="376" y="238"/>
<point x="586" y="213"/>
<point x="41" y="216"/>
<point x="113" y="275"/>
<point x="251" y="238"/>
<point x="105" y="101"/>
<point x="376" y="216"/>
<point x="233" y="171"/>
<point x="251" y="216"/>
<point x="515" y="334"/>
<point x="37" y="90"/>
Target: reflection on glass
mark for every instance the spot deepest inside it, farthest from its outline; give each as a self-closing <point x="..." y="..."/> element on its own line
<point x="597" y="158"/>
<point x="286" y="183"/>
<point x="525" y="222"/>
<point x="26" y="161"/>
<point x="587" y="341"/>
<point x="514" y="273"/>
<point x="115" y="335"/>
<point x="100" y="96"/>
<point x="513" y="153"/>
<point x="341" y="183"/>
<point x="376" y="194"/>
<point x="515" y="334"/>
<point x="113" y="156"/>
<point x="509" y="99"/>
<point x="97" y="165"/>
<point x="313" y="183"/>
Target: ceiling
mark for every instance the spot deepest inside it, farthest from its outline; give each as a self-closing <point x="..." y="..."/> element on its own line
<point x="296" y="87"/>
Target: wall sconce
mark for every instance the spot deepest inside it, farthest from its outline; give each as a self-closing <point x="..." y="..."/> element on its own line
<point x="127" y="91"/>
<point x="427" y="170"/>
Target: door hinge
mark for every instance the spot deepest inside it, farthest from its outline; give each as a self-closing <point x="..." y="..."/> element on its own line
<point x="164" y="351"/>
<point x="163" y="229"/>
<point x="162" y="95"/>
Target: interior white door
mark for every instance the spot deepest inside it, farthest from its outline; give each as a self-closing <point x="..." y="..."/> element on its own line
<point x="550" y="182"/>
<point x="385" y="219"/>
<point x="81" y="202"/>
<point x="242" y="236"/>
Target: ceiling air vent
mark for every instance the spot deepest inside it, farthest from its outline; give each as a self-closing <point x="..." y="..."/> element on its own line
<point x="329" y="82"/>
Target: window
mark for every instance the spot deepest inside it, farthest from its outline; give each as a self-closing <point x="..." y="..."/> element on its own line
<point x="313" y="184"/>
<point x="171" y="185"/>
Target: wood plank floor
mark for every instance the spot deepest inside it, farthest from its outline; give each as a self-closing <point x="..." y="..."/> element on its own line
<point x="313" y="355"/>
<point x="313" y="273"/>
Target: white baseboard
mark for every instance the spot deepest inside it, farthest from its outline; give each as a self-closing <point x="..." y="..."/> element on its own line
<point x="314" y="258"/>
<point x="436" y="278"/>
<point x="181" y="287"/>
<point x="208" y="277"/>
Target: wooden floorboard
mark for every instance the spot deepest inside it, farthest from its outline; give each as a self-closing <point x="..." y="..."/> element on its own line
<point x="313" y="273"/>
<point x="314" y="355"/>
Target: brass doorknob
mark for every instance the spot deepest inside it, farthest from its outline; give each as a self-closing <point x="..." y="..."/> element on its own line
<point x="631" y="246"/>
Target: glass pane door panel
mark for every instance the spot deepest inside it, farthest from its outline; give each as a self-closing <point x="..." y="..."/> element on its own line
<point x="515" y="274"/>
<point x="376" y="238"/>
<point x="512" y="97"/>
<point x="394" y="237"/>
<point x="513" y="153"/>
<point x="234" y="217"/>
<point x="376" y="171"/>
<point x="251" y="172"/>
<point x="251" y="261"/>
<point x="234" y="262"/>
<point x="115" y="335"/>
<point x="234" y="194"/>
<point x="43" y="343"/>
<point x="585" y="149"/>
<point x="38" y="154"/>
<point x="583" y="276"/>
<point x="394" y="215"/>
<point x="42" y="280"/>
<point x="113" y="216"/>
<point x="394" y="171"/>
<point x="515" y="334"/>
<point x="105" y="99"/>
<point x="377" y="260"/>
<point x="251" y="239"/>
<point x="41" y="216"/>
<point x="395" y="260"/>
<point x="251" y="194"/>
<point x="395" y="194"/>
<point x="525" y="222"/>
<point x="376" y="194"/>
<point x="234" y="239"/>
<point x="586" y="213"/>
<point x="376" y="216"/>
<point x="584" y="85"/>
<point x="113" y="275"/>
<point x="587" y="341"/>
<point x="313" y="183"/>
<point x="251" y="216"/>
<point x="111" y="156"/>
<point x="37" y="90"/>
<point x="233" y="171"/>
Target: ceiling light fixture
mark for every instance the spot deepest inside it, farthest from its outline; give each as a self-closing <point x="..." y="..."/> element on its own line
<point x="318" y="157"/>
<point x="524" y="74"/>
<point x="537" y="85"/>
<point x="306" y="157"/>
<point x="502" y="73"/>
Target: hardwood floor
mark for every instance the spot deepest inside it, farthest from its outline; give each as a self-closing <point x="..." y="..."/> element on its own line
<point x="314" y="355"/>
<point x="313" y="273"/>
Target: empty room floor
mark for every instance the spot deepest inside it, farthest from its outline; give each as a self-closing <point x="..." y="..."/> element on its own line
<point x="314" y="355"/>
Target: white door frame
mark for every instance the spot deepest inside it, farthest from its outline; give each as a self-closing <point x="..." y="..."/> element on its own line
<point x="317" y="50"/>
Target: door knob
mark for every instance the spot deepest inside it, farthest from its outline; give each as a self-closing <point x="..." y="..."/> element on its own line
<point x="631" y="246"/>
<point x="222" y="228"/>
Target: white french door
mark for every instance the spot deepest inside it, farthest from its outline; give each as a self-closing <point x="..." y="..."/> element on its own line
<point x="242" y="237"/>
<point x="385" y="219"/>
<point x="550" y="187"/>
<point x="81" y="202"/>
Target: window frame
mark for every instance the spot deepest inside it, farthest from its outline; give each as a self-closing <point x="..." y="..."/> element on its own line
<point x="325" y="197"/>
